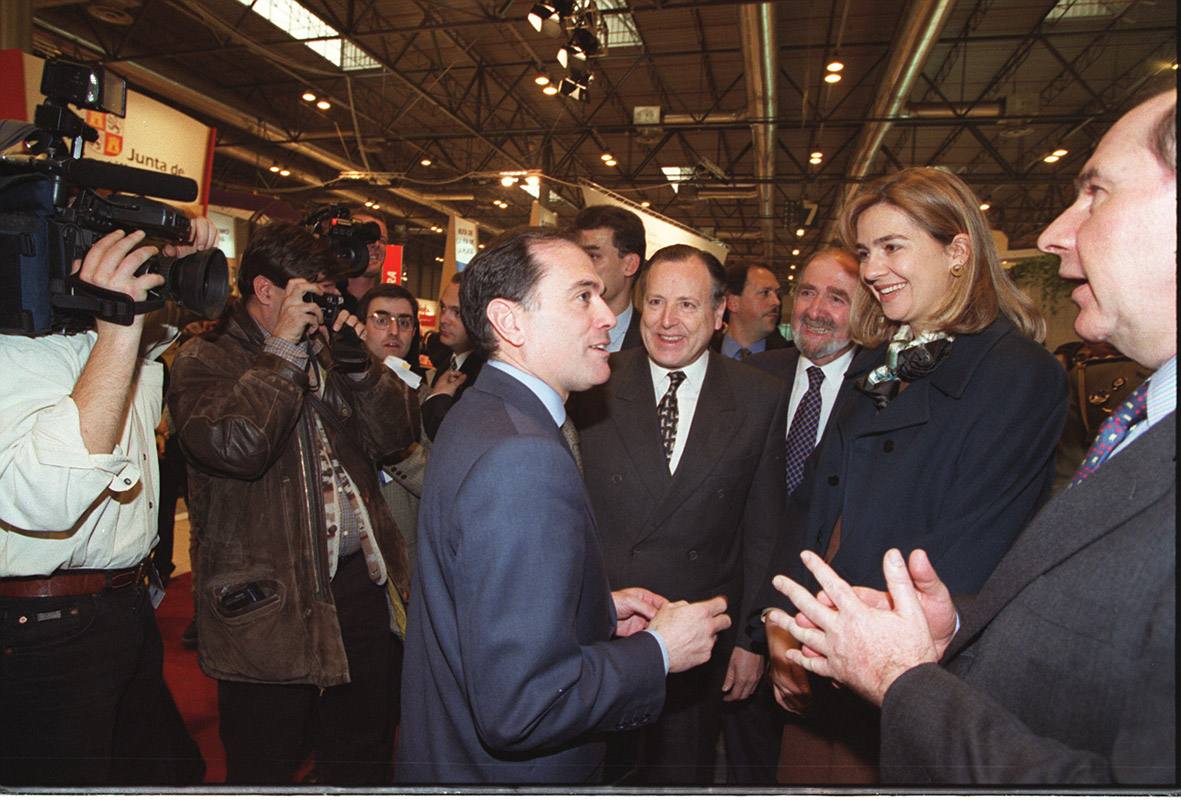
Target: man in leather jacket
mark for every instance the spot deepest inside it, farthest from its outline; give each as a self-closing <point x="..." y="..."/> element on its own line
<point x="300" y="572"/>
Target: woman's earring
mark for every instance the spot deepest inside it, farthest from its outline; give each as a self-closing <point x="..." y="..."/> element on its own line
<point x="957" y="270"/>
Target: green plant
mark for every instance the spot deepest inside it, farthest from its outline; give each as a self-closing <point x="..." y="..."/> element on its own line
<point x="1040" y="273"/>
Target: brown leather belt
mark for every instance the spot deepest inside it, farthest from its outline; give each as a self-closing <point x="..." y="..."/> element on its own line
<point x="71" y="583"/>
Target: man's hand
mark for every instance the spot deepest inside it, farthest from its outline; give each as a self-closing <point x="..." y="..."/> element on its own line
<point x="451" y="381"/>
<point x="634" y="608"/>
<point x="111" y="264"/>
<point x="742" y="675"/>
<point x="855" y="643"/>
<point x="297" y="316"/>
<point x="789" y="682"/>
<point x="934" y="598"/>
<point x="689" y="630"/>
<point x="349" y="351"/>
<point x="202" y="236"/>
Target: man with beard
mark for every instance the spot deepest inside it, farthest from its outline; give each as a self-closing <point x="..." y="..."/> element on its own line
<point x="814" y="372"/>
<point x="752" y="312"/>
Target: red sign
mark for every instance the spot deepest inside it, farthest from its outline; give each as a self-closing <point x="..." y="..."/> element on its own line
<point x="391" y="268"/>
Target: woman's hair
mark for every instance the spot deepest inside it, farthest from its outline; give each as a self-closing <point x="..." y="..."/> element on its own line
<point x="941" y="204"/>
<point x="400" y="292"/>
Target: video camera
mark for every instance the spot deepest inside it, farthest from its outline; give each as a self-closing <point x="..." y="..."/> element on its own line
<point x="43" y="230"/>
<point x="349" y="239"/>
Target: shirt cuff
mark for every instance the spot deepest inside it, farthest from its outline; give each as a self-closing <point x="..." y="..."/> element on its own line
<point x="57" y="442"/>
<point x="283" y="349"/>
<point x="663" y="648"/>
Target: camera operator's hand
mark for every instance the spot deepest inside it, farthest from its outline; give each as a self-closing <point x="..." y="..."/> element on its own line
<point x="297" y="316"/>
<point x="203" y="236"/>
<point x="349" y="351"/>
<point x="111" y="264"/>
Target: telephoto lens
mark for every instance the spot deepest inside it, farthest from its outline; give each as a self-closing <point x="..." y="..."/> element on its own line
<point x="200" y="282"/>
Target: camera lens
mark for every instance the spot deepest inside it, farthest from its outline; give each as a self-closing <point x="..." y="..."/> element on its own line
<point x="199" y="282"/>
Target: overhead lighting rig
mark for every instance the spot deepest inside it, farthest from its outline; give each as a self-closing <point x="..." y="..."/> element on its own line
<point x="547" y="17"/>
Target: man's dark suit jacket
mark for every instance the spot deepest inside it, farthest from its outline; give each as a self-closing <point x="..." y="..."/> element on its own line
<point x="435" y="408"/>
<point x="957" y="464"/>
<point x="707" y="529"/>
<point x="775" y="340"/>
<point x="511" y="671"/>
<point x="1064" y="668"/>
<point x="632" y="337"/>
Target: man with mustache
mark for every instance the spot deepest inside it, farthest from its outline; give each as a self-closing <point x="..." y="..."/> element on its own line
<point x="752" y="312"/>
<point x="823" y="352"/>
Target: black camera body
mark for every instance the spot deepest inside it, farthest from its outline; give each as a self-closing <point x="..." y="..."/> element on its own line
<point x="330" y="304"/>
<point x="348" y="238"/>
<point x="43" y="230"/>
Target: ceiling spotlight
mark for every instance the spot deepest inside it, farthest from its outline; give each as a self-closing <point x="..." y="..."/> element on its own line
<point x="984" y="207"/>
<point x="275" y="168"/>
<point x="426" y="161"/>
<point x="480" y="246"/>
<point x="832" y="77"/>
<point x="508" y="180"/>
<point x="606" y="157"/>
<point x="438" y="258"/>
<point x="368" y="204"/>
<point x="284" y="172"/>
<point x="323" y="105"/>
<point x="541" y="80"/>
<point x="791" y="267"/>
<point x="575" y="87"/>
<point x="547" y="17"/>
<point x="817" y="154"/>
<point x="800" y="232"/>
<point x="376" y="206"/>
<point x="532" y="180"/>
<point x="645" y="204"/>
<point x="795" y="251"/>
<point x="610" y="162"/>
<point x="1051" y="159"/>
<point x="814" y="160"/>
<point x="836" y="65"/>
<point x="309" y="96"/>
<point x="582" y="43"/>
<point x="1174" y="65"/>
<point x="791" y="276"/>
<point x="550" y="89"/>
<point x="1060" y="152"/>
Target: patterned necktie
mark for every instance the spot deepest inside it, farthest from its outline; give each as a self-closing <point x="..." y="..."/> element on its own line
<point x="742" y="354"/>
<point x="1113" y="432"/>
<point x="454" y="363"/>
<point x="801" y="438"/>
<point x="570" y="433"/>
<point x="666" y="410"/>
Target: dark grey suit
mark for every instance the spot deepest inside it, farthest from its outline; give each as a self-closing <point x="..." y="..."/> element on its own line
<point x="1064" y="668"/>
<point x="703" y="531"/>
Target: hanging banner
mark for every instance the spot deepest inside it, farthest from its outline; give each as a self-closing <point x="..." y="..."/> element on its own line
<point x="541" y="216"/>
<point x="658" y="229"/>
<point x="462" y="245"/>
<point x="153" y="136"/>
<point x="391" y="268"/>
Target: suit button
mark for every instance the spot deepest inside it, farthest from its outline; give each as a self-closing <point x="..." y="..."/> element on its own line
<point x="834" y="480"/>
<point x="635" y="552"/>
<point x="692" y="554"/>
<point x="888" y="446"/>
<point x="616" y="478"/>
<point x="721" y="494"/>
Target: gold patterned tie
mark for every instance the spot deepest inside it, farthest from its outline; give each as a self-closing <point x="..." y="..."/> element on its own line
<point x="570" y="433"/>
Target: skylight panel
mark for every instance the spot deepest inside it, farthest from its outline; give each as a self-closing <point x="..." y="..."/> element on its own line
<point x="315" y="34"/>
<point x="621" y="27"/>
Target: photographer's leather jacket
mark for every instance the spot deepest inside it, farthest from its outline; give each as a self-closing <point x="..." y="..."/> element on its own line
<point x="258" y="545"/>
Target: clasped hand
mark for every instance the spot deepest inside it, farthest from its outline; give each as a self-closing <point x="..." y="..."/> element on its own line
<point x="864" y="638"/>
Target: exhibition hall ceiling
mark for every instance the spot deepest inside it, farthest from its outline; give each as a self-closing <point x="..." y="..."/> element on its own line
<point x="710" y="113"/>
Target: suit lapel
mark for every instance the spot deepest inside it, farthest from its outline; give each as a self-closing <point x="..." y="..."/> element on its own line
<point x="633" y="413"/>
<point x="1075" y="518"/>
<point x="715" y="421"/>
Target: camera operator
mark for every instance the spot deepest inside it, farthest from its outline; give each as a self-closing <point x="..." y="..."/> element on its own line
<point x="300" y="570"/>
<point x="83" y="695"/>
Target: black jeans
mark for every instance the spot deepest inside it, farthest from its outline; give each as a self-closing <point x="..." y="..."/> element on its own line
<point x="82" y="695"/>
<point x="267" y="729"/>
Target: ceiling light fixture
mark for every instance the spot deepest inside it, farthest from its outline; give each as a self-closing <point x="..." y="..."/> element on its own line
<point x="275" y="168"/>
<point x="426" y="161"/>
<point x="1060" y="152"/>
<point x="508" y="180"/>
<point x="832" y="77"/>
<point x="323" y="105"/>
<point x="836" y="65"/>
<point x="610" y="162"/>
<point x="376" y="206"/>
<point x="532" y="180"/>
<point x="791" y="267"/>
<point x="645" y="204"/>
<point x="800" y="232"/>
<point x="368" y="204"/>
<point x="984" y="207"/>
<point x="795" y="251"/>
<point x="1051" y="159"/>
<point x="817" y="154"/>
<point x="606" y="157"/>
<point x="581" y="44"/>
<point x="283" y="171"/>
<point x="550" y="89"/>
<point x="309" y="96"/>
<point x="542" y="79"/>
<point x="547" y="17"/>
<point x="814" y="160"/>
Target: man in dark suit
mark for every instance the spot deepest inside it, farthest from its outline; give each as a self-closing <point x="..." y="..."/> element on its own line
<point x="464" y="368"/>
<point x="613" y="237"/>
<point x="752" y="312"/>
<point x="813" y="372"/>
<point x="1063" y="668"/>
<point x="683" y="450"/>
<point x="518" y="655"/>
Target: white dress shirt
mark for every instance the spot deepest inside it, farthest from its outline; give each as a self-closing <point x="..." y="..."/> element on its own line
<point x="61" y="506"/>
<point x="687" y="395"/>
<point x="834" y="375"/>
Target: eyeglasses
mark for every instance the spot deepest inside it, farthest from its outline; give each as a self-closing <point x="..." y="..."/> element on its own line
<point x="382" y="320"/>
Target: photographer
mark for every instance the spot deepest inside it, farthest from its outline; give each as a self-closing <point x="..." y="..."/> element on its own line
<point x="83" y="695"/>
<point x="300" y="571"/>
